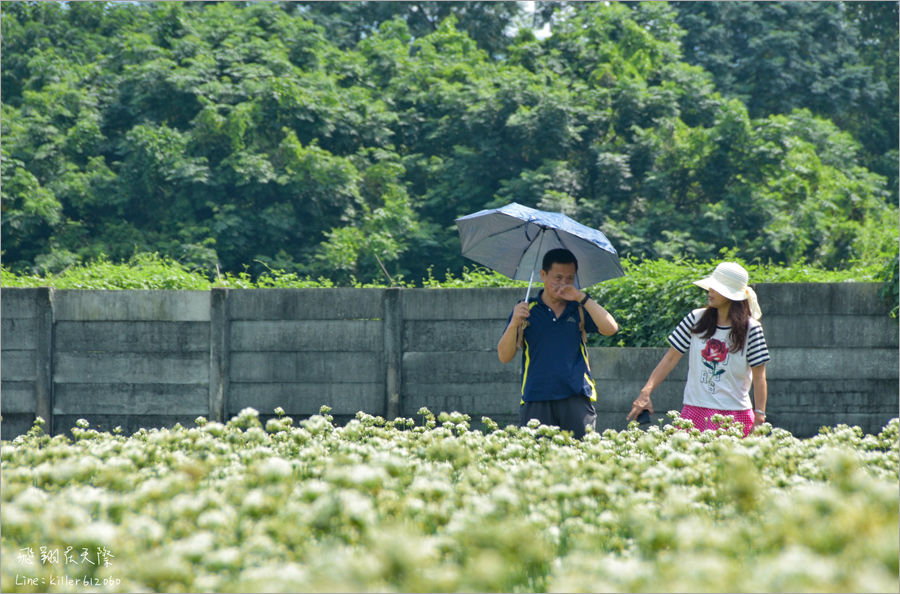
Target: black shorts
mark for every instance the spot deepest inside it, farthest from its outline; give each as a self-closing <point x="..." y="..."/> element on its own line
<point x="569" y="414"/>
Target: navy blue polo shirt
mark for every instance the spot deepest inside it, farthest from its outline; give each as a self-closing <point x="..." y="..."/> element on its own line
<point x="554" y="361"/>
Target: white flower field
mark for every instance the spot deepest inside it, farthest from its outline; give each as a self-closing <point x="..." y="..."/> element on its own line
<point x="440" y="507"/>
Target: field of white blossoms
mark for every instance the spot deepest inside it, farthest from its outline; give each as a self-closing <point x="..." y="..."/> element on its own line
<point x="437" y="506"/>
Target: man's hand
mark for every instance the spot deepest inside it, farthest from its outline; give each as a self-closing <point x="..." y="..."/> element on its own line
<point x="641" y="402"/>
<point x="570" y="293"/>
<point x="520" y="313"/>
<point x="507" y="347"/>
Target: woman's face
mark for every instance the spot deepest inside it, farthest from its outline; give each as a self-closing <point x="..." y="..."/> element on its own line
<point x="716" y="299"/>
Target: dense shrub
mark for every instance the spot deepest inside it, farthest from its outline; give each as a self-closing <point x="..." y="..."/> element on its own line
<point x="647" y="302"/>
<point x="890" y="291"/>
<point x="152" y="271"/>
<point x="654" y="296"/>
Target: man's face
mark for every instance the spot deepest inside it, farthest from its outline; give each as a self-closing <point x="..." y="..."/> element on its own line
<point x="559" y="276"/>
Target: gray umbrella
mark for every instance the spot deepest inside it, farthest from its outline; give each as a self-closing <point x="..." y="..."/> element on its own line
<point x="513" y="240"/>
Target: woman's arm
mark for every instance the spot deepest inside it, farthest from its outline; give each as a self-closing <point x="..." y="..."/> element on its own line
<point x="760" y="393"/>
<point x="662" y="371"/>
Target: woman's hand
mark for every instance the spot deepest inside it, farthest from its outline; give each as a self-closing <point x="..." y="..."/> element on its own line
<point x="758" y="418"/>
<point x="662" y="371"/>
<point x="641" y="402"/>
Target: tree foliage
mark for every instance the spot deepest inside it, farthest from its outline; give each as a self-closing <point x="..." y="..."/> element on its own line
<point x="837" y="59"/>
<point x="329" y="139"/>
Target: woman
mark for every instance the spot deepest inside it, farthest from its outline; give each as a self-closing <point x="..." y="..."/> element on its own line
<point x="728" y="353"/>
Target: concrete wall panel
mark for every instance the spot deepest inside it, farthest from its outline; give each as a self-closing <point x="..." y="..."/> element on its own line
<point x="457" y="367"/>
<point x="472" y="398"/>
<point x="312" y="367"/>
<point x="156" y="306"/>
<point x="451" y="335"/>
<point x="132" y="337"/>
<point x="18" y="397"/>
<point x="19" y="334"/>
<point x="16" y="424"/>
<point x="833" y="396"/>
<point x="617" y="395"/>
<point x="456" y="304"/>
<point x="130" y="399"/>
<point x="809" y="424"/>
<point x="314" y="335"/>
<point x="307" y="304"/>
<point x="20" y="303"/>
<point x="821" y="331"/>
<point x="131" y="368"/>
<point x="632" y="363"/>
<point x="307" y="398"/>
<point x="17" y="366"/>
<point x="833" y="364"/>
<point x="819" y="299"/>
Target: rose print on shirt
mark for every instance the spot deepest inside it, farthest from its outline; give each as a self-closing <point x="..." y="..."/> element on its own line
<point x="715" y="352"/>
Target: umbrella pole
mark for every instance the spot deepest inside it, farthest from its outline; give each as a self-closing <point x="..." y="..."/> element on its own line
<point x="521" y="332"/>
<point x="540" y="243"/>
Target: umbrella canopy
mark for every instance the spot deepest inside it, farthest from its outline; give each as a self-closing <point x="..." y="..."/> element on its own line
<point x="513" y="240"/>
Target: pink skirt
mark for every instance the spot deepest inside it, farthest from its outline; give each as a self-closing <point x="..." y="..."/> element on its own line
<point x="701" y="417"/>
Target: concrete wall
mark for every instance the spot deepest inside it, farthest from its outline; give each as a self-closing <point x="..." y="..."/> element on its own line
<point x="301" y="349"/>
<point x="153" y="358"/>
<point x="130" y="358"/>
<point x="26" y="335"/>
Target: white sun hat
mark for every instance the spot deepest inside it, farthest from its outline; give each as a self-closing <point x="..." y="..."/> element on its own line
<point x="730" y="280"/>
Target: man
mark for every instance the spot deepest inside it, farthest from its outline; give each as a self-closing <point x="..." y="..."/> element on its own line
<point x="557" y="387"/>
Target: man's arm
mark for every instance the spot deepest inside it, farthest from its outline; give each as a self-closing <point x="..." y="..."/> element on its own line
<point x="507" y="347"/>
<point x="606" y="324"/>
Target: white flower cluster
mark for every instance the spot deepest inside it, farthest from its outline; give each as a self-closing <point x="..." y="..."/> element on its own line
<point x="380" y="505"/>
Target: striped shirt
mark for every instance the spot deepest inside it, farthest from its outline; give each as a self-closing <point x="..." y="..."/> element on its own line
<point x="718" y="378"/>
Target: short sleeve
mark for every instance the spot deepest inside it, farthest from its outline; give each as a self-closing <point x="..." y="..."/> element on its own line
<point x="508" y="320"/>
<point x="757" y="349"/>
<point x="680" y="338"/>
<point x="589" y="324"/>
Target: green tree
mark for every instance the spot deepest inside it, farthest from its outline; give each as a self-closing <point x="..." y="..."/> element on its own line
<point x="334" y="138"/>
<point x="837" y="59"/>
<point x="348" y="23"/>
<point x="877" y="129"/>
